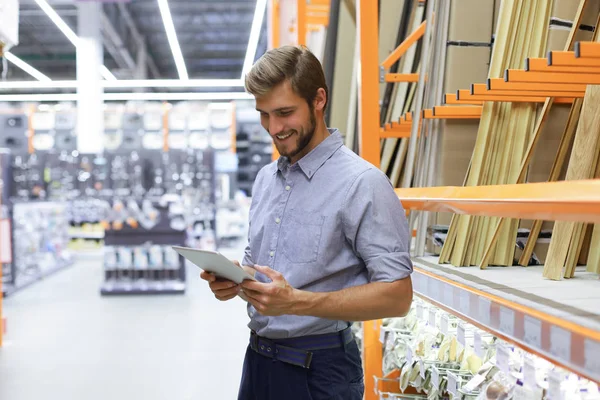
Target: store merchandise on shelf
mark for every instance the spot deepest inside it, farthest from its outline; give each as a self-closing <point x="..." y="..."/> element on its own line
<point x="431" y="354"/>
<point x="39" y="243"/>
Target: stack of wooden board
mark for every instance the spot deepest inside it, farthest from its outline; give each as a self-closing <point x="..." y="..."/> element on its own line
<point x="503" y="135"/>
<point x="548" y="161"/>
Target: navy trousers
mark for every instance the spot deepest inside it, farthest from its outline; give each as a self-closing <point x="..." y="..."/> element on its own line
<point x="334" y="374"/>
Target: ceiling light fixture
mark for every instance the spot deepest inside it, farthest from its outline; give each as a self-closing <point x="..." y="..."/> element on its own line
<point x="127" y="83"/>
<point x="58" y="21"/>
<point x="172" y="37"/>
<point x="127" y="97"/>
<point x="68" y="32"/>
<point x="26" y="67"/>
<point x="106" y="74"/>
<point x="259" y="14"/>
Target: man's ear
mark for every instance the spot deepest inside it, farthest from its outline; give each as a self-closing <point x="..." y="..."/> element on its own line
<point x="320" y="100"/>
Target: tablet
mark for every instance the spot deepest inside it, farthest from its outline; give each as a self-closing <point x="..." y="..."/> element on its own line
<point x="214" y="262"/>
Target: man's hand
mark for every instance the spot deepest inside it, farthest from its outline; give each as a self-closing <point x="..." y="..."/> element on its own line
<point x="223" y="289"/>
<point x="274" y="298"/>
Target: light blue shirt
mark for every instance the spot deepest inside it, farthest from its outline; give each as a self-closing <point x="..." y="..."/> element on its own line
<point x="328" y="222"/>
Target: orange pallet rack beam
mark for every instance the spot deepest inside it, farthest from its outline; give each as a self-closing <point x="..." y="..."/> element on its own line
<point x="549" y="201"/>
<point x="450" y="98"/>
<point x="567" y="58"/>
<point x="467" y="97"/>
<point x="541" y="65"/>
<point x="518" y="75"/>
<point x="401" y="77"/>
<point x="501" y="84"/>
<point x="404" y="46"/>
<point x="587" y="50"/>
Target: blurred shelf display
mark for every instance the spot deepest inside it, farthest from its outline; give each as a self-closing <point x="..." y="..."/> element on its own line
<point x="39" y="243"/>
<point x="163" y="170"/>
<point x="254" y="146"/>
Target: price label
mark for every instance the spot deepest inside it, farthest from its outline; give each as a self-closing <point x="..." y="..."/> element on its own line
<point x="477" y="344"/>
<point x="533" y="332"/>
<point x="433" y="288"/>
<point x="444" y="324"/>
<point x="592" y="356"/>
<point x="460" y="333"/>
<point x="452" y="384"/>
<point x="485" y="311"/>
<point x="465" y="302"/>
<point x="448" y="295"/>
<point x="422" y="368"/>
<point x="421" y="284"/>
<point x="432" y="314"/>
<point x="409" y="356"/>
<point x="435" y="377"/>
<point x="420" y="311"/>
<point x="554" y="380"/>
<point x="382" y="335"/>
<point x="529" y="379"/>
<point x="507" y="321"/>
<point x="560" y="343"/>
<point x="502" y="357"/>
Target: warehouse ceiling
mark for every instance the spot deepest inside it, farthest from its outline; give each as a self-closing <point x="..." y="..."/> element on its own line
<point x="213" y="36"/>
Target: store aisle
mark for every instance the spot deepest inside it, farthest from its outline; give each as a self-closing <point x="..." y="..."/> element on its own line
<point x="66" y="342"/>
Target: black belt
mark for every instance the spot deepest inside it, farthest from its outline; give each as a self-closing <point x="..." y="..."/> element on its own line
<point x="298" y="350"/>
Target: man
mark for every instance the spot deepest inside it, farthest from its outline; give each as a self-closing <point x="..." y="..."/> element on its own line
<point x="328" y="244"/>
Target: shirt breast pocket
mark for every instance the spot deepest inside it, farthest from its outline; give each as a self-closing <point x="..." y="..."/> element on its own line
<point x="302" y="236"/>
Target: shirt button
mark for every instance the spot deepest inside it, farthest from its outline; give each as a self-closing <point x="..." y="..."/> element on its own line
<point x="278" y="220"/>
<point x="288" y="187"/>
<point x="272" y="253"/>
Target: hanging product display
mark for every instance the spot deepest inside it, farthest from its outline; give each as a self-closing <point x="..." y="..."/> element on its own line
<point x="431" y="354"/>
<point x="39" y="243"/>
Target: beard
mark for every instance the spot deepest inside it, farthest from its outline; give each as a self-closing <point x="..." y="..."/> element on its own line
<point x="303" y="138"/>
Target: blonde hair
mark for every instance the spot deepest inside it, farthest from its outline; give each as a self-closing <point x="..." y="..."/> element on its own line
<point x="294" y="63"/>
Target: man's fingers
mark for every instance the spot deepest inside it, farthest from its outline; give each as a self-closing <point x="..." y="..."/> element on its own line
<point x="225" y="298"/>
<point x="207" y="276"/>
<point x="272" y="274"/>
<point x="226" y="293"/>
<point x="221" y="285"/>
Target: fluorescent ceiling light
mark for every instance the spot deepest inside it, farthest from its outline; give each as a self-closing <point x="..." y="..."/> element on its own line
<point x="106" y="74"/>
<point x="127" y="83"/>
<point x="26" y="67"/>
<point x="68" y="32"/>
<point x="126" y="97"/>
<point x="172" y="37"/>
<point x="58" y="21"/>
<point x="259" y="14"/>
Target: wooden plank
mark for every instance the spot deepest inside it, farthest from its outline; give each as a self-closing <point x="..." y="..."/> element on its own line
<point x="581" y="166"/>
<point x="566" y="139"/>
<point x="500" y="225"/>
<point x="561" y="156"/>
<point x="593" y="261"/>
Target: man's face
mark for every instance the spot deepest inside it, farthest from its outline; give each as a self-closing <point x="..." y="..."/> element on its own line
<point x="289" y="120"/>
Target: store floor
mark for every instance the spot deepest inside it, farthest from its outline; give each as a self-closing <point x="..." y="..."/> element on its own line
<point x="67" y="342"/>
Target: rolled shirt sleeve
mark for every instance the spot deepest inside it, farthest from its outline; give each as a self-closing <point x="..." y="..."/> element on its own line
<point x="375" y="224"/>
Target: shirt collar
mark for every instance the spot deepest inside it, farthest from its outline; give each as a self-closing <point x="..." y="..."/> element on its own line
<point x="310" y="163"/>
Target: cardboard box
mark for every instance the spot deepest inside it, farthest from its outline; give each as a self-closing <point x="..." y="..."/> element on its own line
<point x="471" y="20"/>
<point x="566" y="10"/>
<point x="558" y="35"/>
<point x="464" y="66"/>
